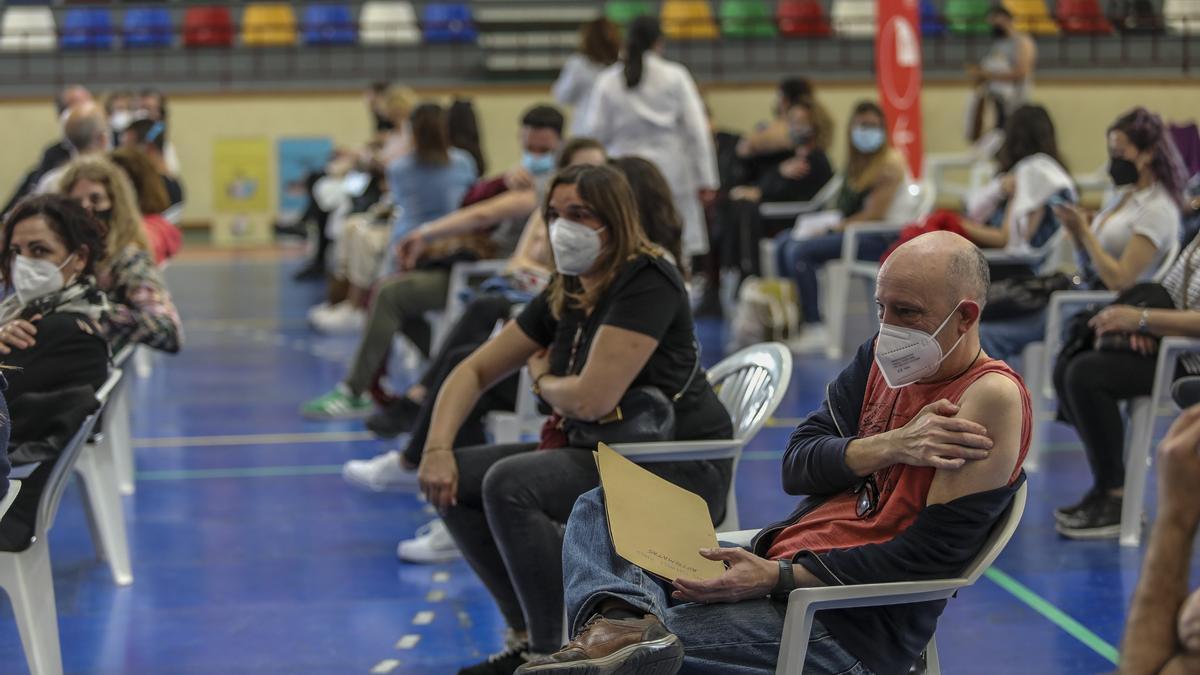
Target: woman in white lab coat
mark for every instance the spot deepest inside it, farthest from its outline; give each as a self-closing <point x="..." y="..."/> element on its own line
<point x="599" y="48"/>
<point x="649" y="107"/>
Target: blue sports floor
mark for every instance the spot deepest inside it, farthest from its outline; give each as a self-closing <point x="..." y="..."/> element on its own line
<point x="250" y="554"/>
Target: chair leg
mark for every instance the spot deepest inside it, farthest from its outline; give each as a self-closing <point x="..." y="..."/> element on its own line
<point x="837" y="284"/>
<point x="103" y="501"/>
<point x="794" y="647"/>
<point x="1032" y="361"/>
<point x="143" y="362"/>
<point x="730" y="522"/>
<point x="1137" y="465"/>
<point x="26" y="577"/>
<point x="120" y="439"/>
<point x="933" y="663"/>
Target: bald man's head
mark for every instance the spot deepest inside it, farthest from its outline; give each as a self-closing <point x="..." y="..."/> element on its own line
<point x="945" y="263"/>
<point x="71" y="96"/>
<point x="86" y="128"/>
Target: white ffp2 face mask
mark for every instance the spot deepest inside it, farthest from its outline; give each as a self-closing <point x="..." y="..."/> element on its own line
<point x="33" y="278"/>
<point x="576" y="246"/>
<point x="907" y="355"/>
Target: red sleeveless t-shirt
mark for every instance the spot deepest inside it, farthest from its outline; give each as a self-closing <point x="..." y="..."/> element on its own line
<point x="903" y="489"/>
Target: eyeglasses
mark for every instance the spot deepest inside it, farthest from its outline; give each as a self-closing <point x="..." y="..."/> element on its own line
<point x="868" y="497"/>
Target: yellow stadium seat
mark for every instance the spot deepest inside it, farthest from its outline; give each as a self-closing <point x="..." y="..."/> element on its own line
<point x="268" y="24"/>
<point x="1032" y="16"/>
<point x="688" y="20"/>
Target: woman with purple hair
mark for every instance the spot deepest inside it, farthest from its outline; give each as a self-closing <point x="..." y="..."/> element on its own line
<point x="1124" y="245"/>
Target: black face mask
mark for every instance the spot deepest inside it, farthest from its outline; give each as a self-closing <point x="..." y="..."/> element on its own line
<point x="1122" y="171"/>
<point x="382" y="123"/>
<point x="998" y="32"/>
<point x="104" y="216"/>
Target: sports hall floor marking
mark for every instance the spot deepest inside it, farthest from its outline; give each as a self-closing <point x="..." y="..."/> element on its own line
<point x="423" y="618"/>
<point x="385" y="666"/>
<point x="1053" y="614"/>
<point x="408" y="641"/>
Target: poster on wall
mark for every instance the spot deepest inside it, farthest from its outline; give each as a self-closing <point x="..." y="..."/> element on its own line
<point x="298" y="157"/>
<point x="241" y="183"/>
<point x="898" y="74"/>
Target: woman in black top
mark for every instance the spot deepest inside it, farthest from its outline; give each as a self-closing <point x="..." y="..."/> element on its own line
<point x="50" y="339"/>
<point x="615" y="316"/>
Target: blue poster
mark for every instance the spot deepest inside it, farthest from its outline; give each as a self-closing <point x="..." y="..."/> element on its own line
<point x="298" y="157"/>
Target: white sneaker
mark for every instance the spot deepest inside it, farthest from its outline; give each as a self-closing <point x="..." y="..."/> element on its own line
<point x="433" y="544"/>
<point x="382" y="473"/>
<point x="812" y="340"/>
<point x="317" y="312"/>
<point x="341" y="318"/>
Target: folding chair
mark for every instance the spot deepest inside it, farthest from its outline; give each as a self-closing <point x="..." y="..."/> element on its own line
<point x="804" y="603"/>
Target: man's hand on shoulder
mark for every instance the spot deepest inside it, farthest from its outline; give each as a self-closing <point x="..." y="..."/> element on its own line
<point x="993" y="402"/>
<point x="941" y="437"/>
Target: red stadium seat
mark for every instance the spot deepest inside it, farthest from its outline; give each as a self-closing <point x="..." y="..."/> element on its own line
<point x="208" y="27"/>
<point x="1082" y="17"/>
<point x="802" y="18"/>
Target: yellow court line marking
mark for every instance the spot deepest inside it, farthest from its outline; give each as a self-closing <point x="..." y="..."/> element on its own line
<point x="253" y="439"/>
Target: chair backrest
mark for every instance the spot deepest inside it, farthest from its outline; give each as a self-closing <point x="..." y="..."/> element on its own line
<point x="329" y="25"/>
<point x="688" y="20"/>
<point x="998" y="539"/>
<point x="208" y="27"/>
<point x="913" y="201"/>
<point x="802" y="18"/>
<point x="853" y="18"/>
<point x="1031" y="16"/>
<point x="268" y="24"/>
<point x="967" y="17"/>
<point x="1167" y="260"/>
<point x="87" y="28"/>
<point x="28" y="29"/>
<point x="624" y="11"/>
<point x="746" y="18"/>
<point x="381" y="22"/>
<point x="448" y="22"/>
<point x="1180" y="16"/>
<point x="60" y="475"/>
<point x="932" y="23"/>
<point x="147" y="27"/>
<point x="751" y="384"/>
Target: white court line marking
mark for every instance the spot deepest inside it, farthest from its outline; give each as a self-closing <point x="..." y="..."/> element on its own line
<point x="464" y="619"/>
<point x="253" y="439"/>
<point x="436" y="595"/>
<point x="441" y="577"/>
<point x="385" y="666"/>
<point x="423" y="618"/>
<point x="408" y="641"/>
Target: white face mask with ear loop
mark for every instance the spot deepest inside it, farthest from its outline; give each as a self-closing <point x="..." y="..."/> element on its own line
<point x="908" y="355"/>
<point x="576" y="246"/>
<point x="33" y="278"/>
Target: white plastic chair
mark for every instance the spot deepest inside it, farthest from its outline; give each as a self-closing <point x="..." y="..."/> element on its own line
<point x="28" y="29"/>
<point x="853" y="18"/>
<point x="25" y="575"/>
<point x="463" y="277"/>
<point x="14" y="488"/>
<point x="804" y="603"/>
<point x="97" y="471"/>
<point x="118" y="423"/>
<point x="1180" y="16"/>
<point x="750" y="384"/>
<point x="383" y="22"/>
<point x="766" y="246"/>
<point x="524" y="422"/>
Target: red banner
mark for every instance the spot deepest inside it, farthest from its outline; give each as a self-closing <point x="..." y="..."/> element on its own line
<point x="898" y="74"/>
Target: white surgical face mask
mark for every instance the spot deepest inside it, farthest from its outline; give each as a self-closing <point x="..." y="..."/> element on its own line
<point x="576" y="246"/>
<point x="120" y="120"/>
<point x="32" y="278"/>
<point x="908" y="355"/>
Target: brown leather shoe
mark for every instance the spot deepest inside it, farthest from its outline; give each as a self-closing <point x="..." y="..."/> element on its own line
<point x="614" y="647"/>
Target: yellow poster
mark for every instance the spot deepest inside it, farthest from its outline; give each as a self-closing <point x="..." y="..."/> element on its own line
<point x="241" y="175"/>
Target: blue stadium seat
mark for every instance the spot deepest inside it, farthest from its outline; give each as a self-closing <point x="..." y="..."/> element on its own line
<point x="932" y="23"/>
<point x="87" y="29"/>
<point x="448" y="22"/>
<point x="328" y="25"/>
<point x="148" y="27"/>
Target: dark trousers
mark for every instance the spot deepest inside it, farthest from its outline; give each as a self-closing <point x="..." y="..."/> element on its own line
<point x="1090" y="388"/>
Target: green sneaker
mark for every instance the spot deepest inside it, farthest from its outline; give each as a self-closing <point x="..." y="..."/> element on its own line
<point x="338" y="404"/>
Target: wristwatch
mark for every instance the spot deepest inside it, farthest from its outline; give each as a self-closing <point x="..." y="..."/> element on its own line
<point x="1142" y="328"/>
<point x="786" y="583"/>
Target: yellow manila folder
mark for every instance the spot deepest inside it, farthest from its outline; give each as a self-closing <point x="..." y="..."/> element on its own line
<point x="655" y="524"/>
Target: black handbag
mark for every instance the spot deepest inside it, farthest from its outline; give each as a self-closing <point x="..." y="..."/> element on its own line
<point x="644" y="415"/>
<point x="1021" y="296"/>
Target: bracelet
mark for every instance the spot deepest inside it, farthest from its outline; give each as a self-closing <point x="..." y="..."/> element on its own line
<point x="787" y="580"/>
<point x="1142" y="322"/>
<point x="431" y="451"/>
<point x="536" y="387"/>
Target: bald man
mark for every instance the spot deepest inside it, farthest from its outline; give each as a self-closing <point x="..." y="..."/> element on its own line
<point x="906" y="466"/>
<point x="86" y="130"/>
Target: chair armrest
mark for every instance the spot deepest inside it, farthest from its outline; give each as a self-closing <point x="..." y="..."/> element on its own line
<point x="1002" y="256"/>
<point x="853" y="232"/>
<point x="14" y="488"/>
<point x="1062" y="305"/>
<point x="872" y="595"/>
<point x="737" y="538"/>
<point x="787" y="209"/>
<point x="673" y="451"/>
<point x="1169" y="351"/>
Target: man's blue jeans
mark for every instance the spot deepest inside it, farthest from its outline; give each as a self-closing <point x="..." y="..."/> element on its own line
<point x="737" y="638"/>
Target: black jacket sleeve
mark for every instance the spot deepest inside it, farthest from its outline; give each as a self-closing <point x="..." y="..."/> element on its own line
<point x="940" y="543"/>
<point x="815" y="460"/>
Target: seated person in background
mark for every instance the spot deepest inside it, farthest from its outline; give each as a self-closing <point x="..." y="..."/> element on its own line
<point x="874" y="173"/>
<point x="151" y="138"/>
<point x="86" y="129"/>
<point x="1162" y="632"/>
<point x="165" y="238"/>
<point x="424" y="185"/>
<point x="51" y="347"/>
<point x="615" y="316"/>
<point x="57" y="153"/>
<point x="1013" y="211"/>
<point x="152" y="105"/>
<point x="1128" y="240"/>
<point x="401" y="302"/>
<point x="142" y="309"/>
<point x="908" y="464"/>
<point x="1092" y="382"/>
<point x="526" y="274"/>
<point x="773" y="141"/>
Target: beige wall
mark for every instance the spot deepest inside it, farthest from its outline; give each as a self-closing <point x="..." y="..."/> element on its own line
<point x="1080" y="110"/>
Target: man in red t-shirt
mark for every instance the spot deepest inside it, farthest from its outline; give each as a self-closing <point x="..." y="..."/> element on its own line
<point x="909" y="462"/>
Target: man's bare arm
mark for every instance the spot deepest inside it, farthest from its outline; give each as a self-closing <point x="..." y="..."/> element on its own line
<point x="993" y="401"/>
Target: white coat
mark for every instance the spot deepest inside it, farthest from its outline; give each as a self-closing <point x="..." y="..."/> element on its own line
<point x="661" y="120"/>
<point x="574" y="88"/>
